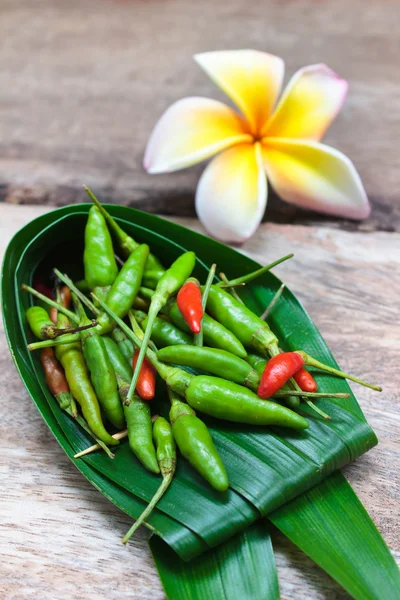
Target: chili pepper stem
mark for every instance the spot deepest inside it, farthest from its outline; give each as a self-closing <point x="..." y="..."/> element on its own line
<point x="100" y="444"/>
<point x="283" y="393"/>
<point x="198" y="338"/>
<point x="231" y="289"/>
<point x="318" y="410"/>
<point x="137" y="330"/>
<point x="312" y="362"/>
<point x="273" y="302"/>
<point x="159" y="493"/>
<point x="250" y="276"/>
<point x="63" y="339"/>
<point x="72" y="316"/>
<point x="65" y="279"/>
<point x="117" y="436"/>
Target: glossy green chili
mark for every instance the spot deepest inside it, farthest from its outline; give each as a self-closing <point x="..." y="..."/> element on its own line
<point x="214" y="333"/>
<point x="215" y="361"/>
<point x="124" y="290"/>
<point x="41" y="325"/>
<point x="163" y="332"/>
<point x="98" y="257"/>
<point x="227" y="400"/>
<point x="77" y="375"/>
<point x="124" y="344"/>
<point x="139" y="425"/>
<point x="170" y="282"/>
<point x="196" y="445"/>
<point x="248" y="328"/>
<point x="117" y="359"/>
<point x="166" y="457"/>
<point x="127" y="245"/>
<point x="101" y="371"/>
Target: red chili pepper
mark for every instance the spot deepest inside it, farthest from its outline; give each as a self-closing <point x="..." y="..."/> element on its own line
<point x="305" y="381"/>
<point x="278" y="371"/>
<point x="189" y="303"/>
<point x="146" y="383"/>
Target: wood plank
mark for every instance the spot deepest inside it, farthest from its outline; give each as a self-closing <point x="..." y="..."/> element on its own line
<point x="59" y="536"/>
<point x="83" y="83"/>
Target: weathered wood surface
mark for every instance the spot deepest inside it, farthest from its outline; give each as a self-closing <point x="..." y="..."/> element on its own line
<point x="60" y="538"/>
<point x="82" y="84"/>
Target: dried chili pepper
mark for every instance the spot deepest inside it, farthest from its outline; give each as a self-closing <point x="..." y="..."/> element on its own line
<point x="279" y="370"/>
<point x="190" y="304"/>
<point x="146" y="383"/>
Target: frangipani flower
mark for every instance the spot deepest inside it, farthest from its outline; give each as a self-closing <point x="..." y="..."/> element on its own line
<point x="279" y="141"/>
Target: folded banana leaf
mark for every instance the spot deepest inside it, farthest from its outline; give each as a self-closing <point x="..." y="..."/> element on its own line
<point x="266" y="468"/>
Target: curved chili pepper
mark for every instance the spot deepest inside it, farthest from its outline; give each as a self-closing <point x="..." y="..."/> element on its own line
<point x="101" y="372"/>
<point x="154" y="269"/>
<point x="123" y="291"/>
<point x="77" y="375"/>
<point x="215" y="361"/>
<point x="232" y="402"/>
<point x="170" y="282"/>
<point x="146" y="382"/>
<point x="196" y="445"/>
<point x="214" y="333"/>
<point x="279" y="370"/>
<point x="98" y="257"/>
<point x="138" y="422"/>
<point x="305" y="380"/>
<point x="190" y="305"/>
<point x="166" y="457"/>
<point x="240" y="320"/>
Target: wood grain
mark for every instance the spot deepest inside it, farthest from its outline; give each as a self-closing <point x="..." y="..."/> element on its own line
<point x="60" y="538"/>
<point x="83" y="83"/>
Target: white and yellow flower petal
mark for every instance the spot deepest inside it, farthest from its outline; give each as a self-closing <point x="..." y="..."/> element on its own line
<point x="231" y="195"/>
<point x="310" y="102"/>
<point x="315" y="177"/>
<point x="190" y="131"/>
<point x="252" y="79"/>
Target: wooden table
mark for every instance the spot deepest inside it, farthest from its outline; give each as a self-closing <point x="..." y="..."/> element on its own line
<point x="82" y="84"/>
<point x="60" y="537"/>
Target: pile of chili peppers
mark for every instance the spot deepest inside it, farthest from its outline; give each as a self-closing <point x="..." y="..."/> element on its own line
<point x="104" y="338"/>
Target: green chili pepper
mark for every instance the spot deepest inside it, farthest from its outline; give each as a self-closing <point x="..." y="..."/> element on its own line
<point x="124" y="290"/>
<point x="125" y="345"/>
<point x="98" y="258"/>
<point x="154" y="269"/>
<point x="227" y="400"/>
<point x="138" y="422"/>
<point x="163" y="332"/>
<point x="77" y="375"/>
<point x="239" y="319"/>
<point x="101" y="371"/>
<point x="196" y="445"/>
<point x="214" y="334"/>
<point x="43" y="328"/>
<point x="215" y="361"/>
<point x="257" y="362"/>
<point x="166" y="457"/>
<point x="168" y="285"/>
<point x="117" y="359"/>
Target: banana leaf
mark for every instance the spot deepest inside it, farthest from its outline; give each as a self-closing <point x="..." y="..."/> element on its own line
<point x="330" y="524"/>
<point x="266" y="467"/>
<point x="243" y="568"/>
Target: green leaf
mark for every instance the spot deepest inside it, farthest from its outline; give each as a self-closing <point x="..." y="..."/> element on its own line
<point x="330" y="524"/>
<point x="266" y="467"/>
<point x="242" y="568"/>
